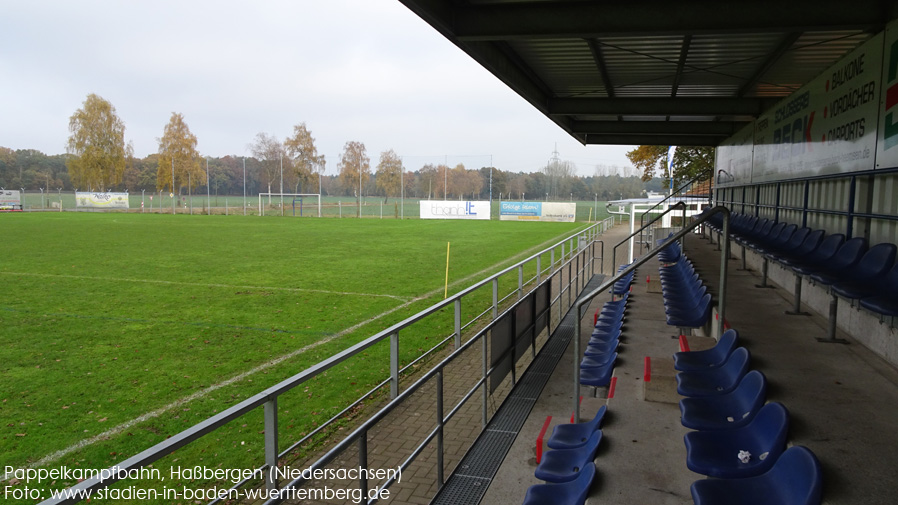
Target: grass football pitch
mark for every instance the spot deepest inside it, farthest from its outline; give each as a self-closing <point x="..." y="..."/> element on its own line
<point x="119" y="330"/>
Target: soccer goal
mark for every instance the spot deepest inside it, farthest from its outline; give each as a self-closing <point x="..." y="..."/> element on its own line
<point x="291" y="199"/>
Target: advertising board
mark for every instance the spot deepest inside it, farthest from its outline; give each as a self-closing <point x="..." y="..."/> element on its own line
<point x="447" y="209"/>
<point x="538" y="211"/>
<point x="84" y="199"/>
<point x="828" y="126"/>
<point x="887" y="147"/>
<point x="10" y="199"/>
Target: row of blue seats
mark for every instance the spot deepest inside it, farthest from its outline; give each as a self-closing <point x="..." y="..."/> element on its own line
<point x="849" y="267"/>
<point x="568" y="468"/>
<point x="622" y="286"/>
<point x="741" y="440"/>
<point x="597" y="364"/>
<point x="687" y="303"/>
<point x="670" y="253"/>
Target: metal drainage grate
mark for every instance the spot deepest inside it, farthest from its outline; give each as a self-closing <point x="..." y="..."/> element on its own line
<point x="472" y="477"/>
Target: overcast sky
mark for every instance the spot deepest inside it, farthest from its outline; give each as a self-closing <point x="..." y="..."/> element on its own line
<point x="363" y="70"/>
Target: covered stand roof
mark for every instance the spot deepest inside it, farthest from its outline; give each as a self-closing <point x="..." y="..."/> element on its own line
<point x="658" y="72"/>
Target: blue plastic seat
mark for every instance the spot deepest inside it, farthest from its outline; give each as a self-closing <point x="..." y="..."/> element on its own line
<point x="571" y="436"/>
<point x="593" y="361"/>
<point x="873" y="264"/>
<point x="708" y="358"/>
<point x="846" y="256"/>
<point x="572" y="492"/>
<point x="806" y="247"/>
<point x="866" y="278"/>
<point x="685" y="300"/>
<point x="716" y="381"/>
<point x="563" y="465"/>
<point x="598" y="377"/>
<point x="606" y="328"/>
<point x="716" y="453"/>
<point x="885" y="300"/>
<point x="601" y="348"/>
<point x="696" y="318"/>
<point x="603" y="337"/>
<point x="731" y="410"/>
<point x="795" y="479"/>
<point x="781" y="239"/>
<point x="768" y="237"/>
<point x="792" y="244"/>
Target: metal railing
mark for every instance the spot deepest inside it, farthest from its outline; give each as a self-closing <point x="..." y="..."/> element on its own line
<point x="653" y="221"/>
<point x="573" y="270"/>
<point x="679" y="193"/>
<point x="721" y="301"/>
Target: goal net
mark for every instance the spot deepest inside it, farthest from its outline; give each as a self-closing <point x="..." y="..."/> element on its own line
<point x="303" y="203"/>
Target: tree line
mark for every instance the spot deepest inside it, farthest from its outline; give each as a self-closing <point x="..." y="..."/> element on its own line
<point x="98" y="159"/>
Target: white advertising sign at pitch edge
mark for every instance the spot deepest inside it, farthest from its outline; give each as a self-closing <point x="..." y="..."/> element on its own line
<point x="101" y="200"/>
<point x="538" y="211"/>
<point x="447" y="209"/>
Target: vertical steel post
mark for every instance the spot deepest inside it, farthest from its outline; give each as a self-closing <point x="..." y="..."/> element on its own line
<point x="724" y="255"/>
<point x="394" y="365"/>
<point x="495" y="298"/>
<point x="440" y="479"/>
<point x="520" y="281"/>
<point x="576" y="361"/>
<point x="486" y="390"/>
<point x="570" y="283"/>
<point x="538" y="268"/>
<point x="271" y="442"/>
<point x="363" y="463"/>
<point x="457" y="323"/>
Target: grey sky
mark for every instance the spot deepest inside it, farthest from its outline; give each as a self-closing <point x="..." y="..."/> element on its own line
<point x="365" y="70"/>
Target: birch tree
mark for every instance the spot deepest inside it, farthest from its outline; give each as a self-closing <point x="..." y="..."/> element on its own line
<point x="178" y="157"/>
<point x="97" y="145"/>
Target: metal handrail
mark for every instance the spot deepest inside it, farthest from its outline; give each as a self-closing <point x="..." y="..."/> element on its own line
<point x="268" y="397"/>
<point x="671" y="208"/>
<point x="721" y="302"/>
<point x="710" y="176"/>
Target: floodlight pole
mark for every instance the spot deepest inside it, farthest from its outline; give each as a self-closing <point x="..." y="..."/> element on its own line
<point x="172" y="184"/>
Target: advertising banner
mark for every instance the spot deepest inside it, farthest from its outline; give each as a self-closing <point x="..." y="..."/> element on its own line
<point x="887" y="152"/>
<point x="10" y="199"/>
<point x="828" y="126"/>
<point x="84" y="199"/>
<point x="538" y="211"/>
<point x="446" y="209"/>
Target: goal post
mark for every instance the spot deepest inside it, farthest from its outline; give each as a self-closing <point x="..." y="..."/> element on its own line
<point x="293" y="197"/>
